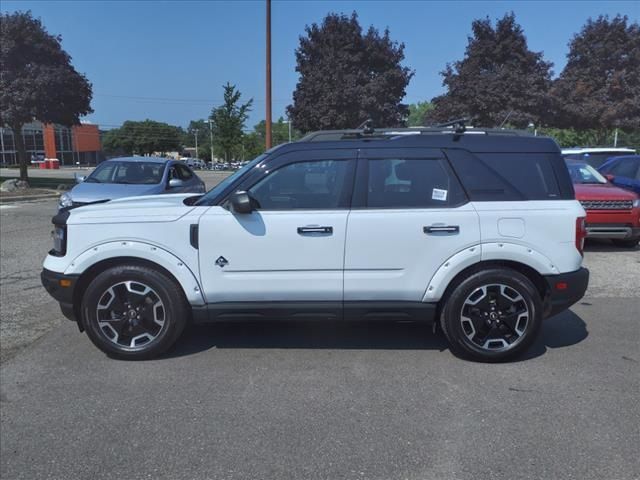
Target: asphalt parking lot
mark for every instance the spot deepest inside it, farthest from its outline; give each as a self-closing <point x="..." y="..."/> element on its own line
<point x="318" y="401"/>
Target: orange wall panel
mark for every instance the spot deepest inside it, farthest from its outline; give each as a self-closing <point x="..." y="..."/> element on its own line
<point x="49" y="137"/>
<point x="86" y="138"/>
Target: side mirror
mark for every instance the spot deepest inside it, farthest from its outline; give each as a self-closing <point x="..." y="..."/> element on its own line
<point x="176" y="183"/>
<point x="610" y="177"/>
<point x="241" y="202"/>
<point x="79" y="178"/>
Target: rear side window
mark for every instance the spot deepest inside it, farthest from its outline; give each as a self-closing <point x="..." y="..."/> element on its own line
<point x="506" y="176"/>
<point x="412" y="183"/>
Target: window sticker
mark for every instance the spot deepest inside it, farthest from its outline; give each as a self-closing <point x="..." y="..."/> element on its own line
<point x="439" y="194"/>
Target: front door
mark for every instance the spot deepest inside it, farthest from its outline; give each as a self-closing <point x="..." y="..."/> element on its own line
<point x="410" y="215"/>
<point x="291" y="248"/>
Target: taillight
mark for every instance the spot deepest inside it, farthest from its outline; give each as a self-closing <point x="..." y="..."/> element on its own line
<point x="581" y="233"/>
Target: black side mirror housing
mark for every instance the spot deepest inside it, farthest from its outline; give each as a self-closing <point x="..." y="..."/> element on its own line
<point x="241" y="202"/>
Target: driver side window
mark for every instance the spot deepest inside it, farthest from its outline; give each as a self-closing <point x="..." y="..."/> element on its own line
<point x="315" y="185"/>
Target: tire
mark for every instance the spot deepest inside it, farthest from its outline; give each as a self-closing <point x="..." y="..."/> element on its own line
<point x="133" y="312"/>
<point x="626" y="243"/>
<point x="507" y="308"/>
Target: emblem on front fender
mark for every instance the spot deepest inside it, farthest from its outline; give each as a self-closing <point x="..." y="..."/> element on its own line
<point x="221" y="261"/>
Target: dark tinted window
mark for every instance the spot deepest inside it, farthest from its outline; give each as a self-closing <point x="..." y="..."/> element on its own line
<point x="318" y="184"/>
<point x="414" y="183"/>
<point x="506" y="176"/>
<point x="625" y="168"/>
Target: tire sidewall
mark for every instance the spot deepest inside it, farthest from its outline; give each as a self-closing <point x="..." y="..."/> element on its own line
<point x="169" y="293"/>
<point x="451" y="315"/>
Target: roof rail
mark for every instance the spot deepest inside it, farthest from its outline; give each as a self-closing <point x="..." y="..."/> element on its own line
<point x="389" y="133"/>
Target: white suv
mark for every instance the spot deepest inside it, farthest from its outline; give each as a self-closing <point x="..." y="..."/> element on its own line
<point x="477" y="231"/>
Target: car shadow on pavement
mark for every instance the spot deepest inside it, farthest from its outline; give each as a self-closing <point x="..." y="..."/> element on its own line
<point x="603" y="245"/>
<point x="563" y="330"/>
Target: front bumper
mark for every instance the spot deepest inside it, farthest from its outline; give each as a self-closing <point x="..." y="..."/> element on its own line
<point x="61" y="287"/>
<point x="564" y="290"/>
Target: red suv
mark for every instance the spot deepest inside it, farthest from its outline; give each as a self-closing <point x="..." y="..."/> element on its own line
<point x="611" y="211"/>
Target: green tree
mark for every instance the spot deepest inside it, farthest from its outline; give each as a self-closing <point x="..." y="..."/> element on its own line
<point x="347" y="77"/>
<point x="499" y="78"/>
<point x="37" y="80"/>
<point x="143" y="138"/>
<point x="227" y="122"/>
<point x="599" y="87"/>
<point x="418" y="113"/>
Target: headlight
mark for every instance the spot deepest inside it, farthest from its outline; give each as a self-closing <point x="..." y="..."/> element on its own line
<point x="636" y="203"/>
<point x="65" y="200"/>
<point x="59" y="236"/>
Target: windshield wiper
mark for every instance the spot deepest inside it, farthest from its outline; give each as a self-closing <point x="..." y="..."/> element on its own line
<point x="91" y="180"/>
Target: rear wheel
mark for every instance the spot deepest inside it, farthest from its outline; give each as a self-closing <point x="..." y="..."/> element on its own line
<point x="492" y="316"/>
<point x="626" y="243"/>
<point x="133" y="312"/>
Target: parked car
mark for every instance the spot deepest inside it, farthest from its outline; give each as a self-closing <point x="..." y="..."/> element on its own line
<point x="595" y="156"/>
<point x="479" y="233"/>
<point x="623" y="172"/>
<point x="131" y="177"/>
<point x="612" y="212"/>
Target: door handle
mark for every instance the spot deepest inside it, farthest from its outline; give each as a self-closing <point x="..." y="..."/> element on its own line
<point x="442" y="229"/>
<point x="314" y="229"/>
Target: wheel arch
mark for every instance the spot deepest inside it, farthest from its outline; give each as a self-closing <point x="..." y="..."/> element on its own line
<point x="97" y="268"/>
<point x="532" y="274"/>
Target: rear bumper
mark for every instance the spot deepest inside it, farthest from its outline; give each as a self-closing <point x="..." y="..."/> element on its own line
<point x="61" y="290"/>
<point x="564" y="290"/>
<point x="612" y="231"/>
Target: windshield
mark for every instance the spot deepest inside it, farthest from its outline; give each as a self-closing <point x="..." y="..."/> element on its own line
<point x="127" y="172"/>
<point x="584" y="173"/>
<point x="595" y="159"/>
<point x="219" y="188"/>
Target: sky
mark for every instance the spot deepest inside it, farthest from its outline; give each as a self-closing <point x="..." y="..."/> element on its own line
<point x="167" y="61"/>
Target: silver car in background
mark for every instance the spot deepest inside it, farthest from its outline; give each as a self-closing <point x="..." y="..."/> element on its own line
<point x="131" y="177"/>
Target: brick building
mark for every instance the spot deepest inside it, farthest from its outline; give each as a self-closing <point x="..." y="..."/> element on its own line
<point x="78" y="144"/>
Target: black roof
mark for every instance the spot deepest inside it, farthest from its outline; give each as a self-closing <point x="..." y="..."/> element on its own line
<point x="474" y="140"/>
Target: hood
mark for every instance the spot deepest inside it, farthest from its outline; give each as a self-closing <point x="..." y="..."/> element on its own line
<point x="94" y="192"/>
<point x="150" y="208"/>
<point x="605" y="191"/>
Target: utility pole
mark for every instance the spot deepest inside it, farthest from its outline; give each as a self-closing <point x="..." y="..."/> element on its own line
<point x="211" y="138"/>
<point x="268" y="102"/>
<point x="195" y="134"/>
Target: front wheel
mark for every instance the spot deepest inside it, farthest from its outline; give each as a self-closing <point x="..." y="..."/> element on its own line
<point x="133" y="312"/>
<point x="492" y="315"/>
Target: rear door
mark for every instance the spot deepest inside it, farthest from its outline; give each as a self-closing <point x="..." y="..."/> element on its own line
<point x="409" y="216"/>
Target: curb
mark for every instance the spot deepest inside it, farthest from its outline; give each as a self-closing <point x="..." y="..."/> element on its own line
<point x="25" y="198"/>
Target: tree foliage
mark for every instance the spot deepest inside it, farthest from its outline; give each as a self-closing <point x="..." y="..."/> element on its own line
<point x="201" y="129"/>
<point x="599" y="87"/>
<point x="227" y="122"/>
<point x="37" y="81"/>
<point x="418" y="113"/>
<point x="143" y="138"/>
<point x="347" y="77"/>
<point x="254" y="142"/>
<point x="498" y="77"/>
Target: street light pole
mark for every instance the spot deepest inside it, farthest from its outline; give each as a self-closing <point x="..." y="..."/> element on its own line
<point x="211" y="139"/>
<point x="195" y="134"/>
<point x="268" y="103"/>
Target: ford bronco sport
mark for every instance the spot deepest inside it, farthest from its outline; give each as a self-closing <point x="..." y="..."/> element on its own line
<point x="476" y="230"/>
